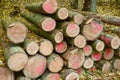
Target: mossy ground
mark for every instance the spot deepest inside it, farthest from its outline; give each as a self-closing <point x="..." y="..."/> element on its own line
<point x="12" y="8"/>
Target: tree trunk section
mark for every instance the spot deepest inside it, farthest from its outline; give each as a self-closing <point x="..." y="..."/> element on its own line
<point x="31" y="47"/>
<point x="88" y="63"/>
<point x="74" y="58"/>
<point x="96" y="56"/>
<point x="88" y="49"/>
<point x="45" y="23"/>
<point x="35" y="66"/>
<point x="110" y="40"/>
<point x="6" y="74"/>
<point x="46" y="7"/>
<point x="55" y="63"/>
<point x="16" y="31"/>
<point x="45" y="47"/>
<point x="108" y="53"/>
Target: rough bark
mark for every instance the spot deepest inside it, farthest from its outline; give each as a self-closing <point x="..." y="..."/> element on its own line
<point x="45" y="23"/>
<point x="46" y="7"/>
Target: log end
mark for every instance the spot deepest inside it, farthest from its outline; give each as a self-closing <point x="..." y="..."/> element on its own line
<point x="96" y="56"/>
<point x="88" y="63"/>
<point x="17" y="61"/>
<point x="16" y="32"/>
<point x="32" y="48"/>
<point x="63" y="13"/>
<point x="35" y="66"/>
<point x="59" y="37"/>
<point x="46" y="47"/>
<point x="53" y="76"/>
<point x="106" y="67"/>
<point x="50" y="6"/>
<point x="115" y="42"/>
<point x="72" y="30"/>
<point x="100" y="46"/>
<point x="87" y="50"/>
<point x="108" y="54"/>
<point x="78" y="18"/>
<point x="6" y="74"/>
<point x="117" y="64"/>
<point x="56" y="64"/>
<point x="72" y="76"/>
<point x="80" y="41"/>
<point x="61" y="47"/>
<point x="48" y="24"/>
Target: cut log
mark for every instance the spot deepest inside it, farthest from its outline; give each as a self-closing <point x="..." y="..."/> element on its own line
<point x="117" y="52"/>
<point x="88" y="50"/>
<point x="35" y="66"/>
<point x="15" y="56"/>
<point x="76" y="17"/>
<point x="50" y="76"/>
<point x="61" y="47"/>
<point x="70" y="29"/>
<point x="31" y="47"/>
<point x="69" y="74"/>
<point x="98" y="45"/>
<point x="96" y="56"/>
<point x="116" y="64"/>
<point x="110" y="40"/>
<point x="22" y="78"/>
<point x="45" y="23"/>
<point x="48" y="7"/>
<point x="80" y="41"/>
<point x="6" y="74"/>
<point x="88" y="63"/>
<point x="46" y="47"/>
<point x="61" y="14"/>
<point x="93" y="30"/>
<point x="55" y="63"/>
<point x="74" y="58"/>
<point x="16" y="31"/>
<point x="108" y="53"/>
<point x="56" y="36"/>
<point x="79" y="71"/>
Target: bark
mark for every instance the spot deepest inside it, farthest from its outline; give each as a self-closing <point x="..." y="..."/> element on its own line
<point x="74" y="58"/>
<point x="6" y="74"/>
<point x="46" y="7"/>
<point x="55" y="63"/>
<point x="45" y="47"/>
<point x="16" y="31"/>
<point x="56" y="36"/>
<point x="31" y="47"/>
<point x="35" y="66"/>
<point x="110" y="40"/>
<point x="45" y="23"/>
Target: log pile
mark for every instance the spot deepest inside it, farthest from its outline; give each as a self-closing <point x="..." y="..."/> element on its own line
<point x="70" y="45"/>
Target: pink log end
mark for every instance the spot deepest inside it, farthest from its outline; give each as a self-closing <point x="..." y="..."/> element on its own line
<point x="40" y="69"/>
<point x="109" y="53"/>
<point x="50" y="6"/>
<point x="48" y="24"/>
<point x="105" y="39"/>
<point x="96" y="56"/>
<point x="96" y="27"/>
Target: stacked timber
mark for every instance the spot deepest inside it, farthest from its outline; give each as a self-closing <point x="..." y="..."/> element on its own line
<point x="69" y="45"/>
